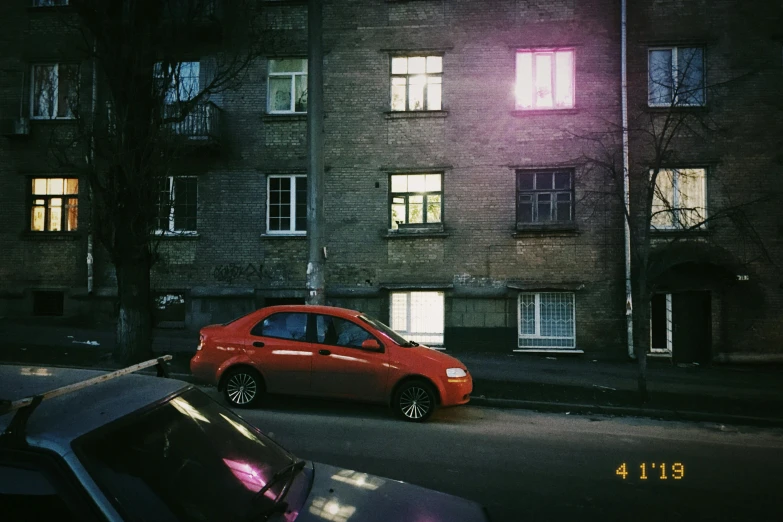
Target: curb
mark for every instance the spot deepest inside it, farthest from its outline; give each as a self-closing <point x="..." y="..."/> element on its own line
<point x="660" y="414"/>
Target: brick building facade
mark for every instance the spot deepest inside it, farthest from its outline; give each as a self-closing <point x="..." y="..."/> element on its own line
<point x="459" y="204"/>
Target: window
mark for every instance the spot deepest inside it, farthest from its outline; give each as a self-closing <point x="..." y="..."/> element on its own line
<point x="55" y="204"/>
<point x="287" y="86"/>
<point x="48" y="302"/>
<point x="544" y="197"/>
<point x="183" y="80"/>
<point x="546" y="320"/>
<point x="676" y="76"/>
<point x="177" y="205"/>
<point x="661" y="326"/>
<point x="545" y="79"/>
<point x="54" y="91"/>
<point x="27" y="494"/>
<point x="416" y="83"/>
<point x="287" y="205"/>
<point x="416" y="199"/>
<point x="284" y="325"/>
<point x="418" y="316"/>
<point x="679" y="200"/>
<point x="49" y="3"/>
<point x="340" y="332"/>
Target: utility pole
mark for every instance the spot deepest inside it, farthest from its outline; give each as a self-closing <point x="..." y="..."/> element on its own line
<point x="316" y="293"/>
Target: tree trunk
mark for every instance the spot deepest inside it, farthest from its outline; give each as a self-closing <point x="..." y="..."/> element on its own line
<point x="641" y="332"/>
<point x="134" y="323"/>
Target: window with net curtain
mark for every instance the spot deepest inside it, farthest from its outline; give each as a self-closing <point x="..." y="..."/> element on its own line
<point x="287" y="87"/>
<point x="419" y="316"/>
<point x="676" y="76"/>
<point x="679" y="199"/>
<point x="544" y="79"/>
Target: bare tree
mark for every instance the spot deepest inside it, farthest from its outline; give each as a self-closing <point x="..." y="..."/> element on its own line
<point x="667" y="178"/>
<point x="150" y="91"/>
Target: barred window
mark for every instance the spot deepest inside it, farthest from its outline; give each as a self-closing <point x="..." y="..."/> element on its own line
<point x="54" y="205"/>
<point x="546" y="320"/>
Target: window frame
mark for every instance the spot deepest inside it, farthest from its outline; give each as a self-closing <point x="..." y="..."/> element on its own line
<point x="518" y="75"/>
<point x="407" y="224"/>
<point x="407" y="76"/>
<point x="56" y="108"/>
<point x="537" y="323"/>
<point x="675" y="222"/>
<point x="293" y="75"/>
<point x="553" y="202"/>
<point x="65" y="207"/>
<point x="406" y="333"/>
<point x="292" y="229"/>
<point x="307" y="335"/>
<point x="675" y="49"/>
<point x="176" y="81"/>
<point x="171" y="230"/>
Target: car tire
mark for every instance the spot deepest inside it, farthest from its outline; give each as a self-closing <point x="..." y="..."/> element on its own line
<point x="243" y="387"/>
<point x="414" y="401"/>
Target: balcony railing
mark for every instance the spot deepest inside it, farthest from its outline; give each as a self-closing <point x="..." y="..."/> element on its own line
<point x="201" y="123"/>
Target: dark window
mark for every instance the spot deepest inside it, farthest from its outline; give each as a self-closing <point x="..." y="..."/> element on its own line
<point x="168" y="308"/>
<point x="48" y="302"/>
<point x="287" y="205"/>
<point x="187" y="459"/>
<point x="178" y="205"/>
<point x="544" y="197"/>
<point x="55" y="91"/>
<point x="54" y="204"/>
<point x="27" y="494"/>
<point x="676" y="76"/>
<point x="283" y="325"/>
<point x="340" y="332"/>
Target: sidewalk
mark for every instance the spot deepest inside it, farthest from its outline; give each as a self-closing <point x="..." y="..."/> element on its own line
<point x="731" y="394"/>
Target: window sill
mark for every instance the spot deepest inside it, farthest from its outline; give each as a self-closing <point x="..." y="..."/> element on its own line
<point x="402" y="115"/>
<point x="546" y="230"/>
<point x="699" y="232"/>
<point x="696" y="109"/>
<point x="177" y="235"/>
<point x="414" y="232"/>
<point x="283" y="236"/>
<point x="53" y="236"/>
<point x="51" y="120"/>
<point x="521" y="113"/>
<point x="293" y="116"/>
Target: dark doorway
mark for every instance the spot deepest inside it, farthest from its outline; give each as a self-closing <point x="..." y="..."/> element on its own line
<point x="692" y="335"/>
<point x="48" y="303"/>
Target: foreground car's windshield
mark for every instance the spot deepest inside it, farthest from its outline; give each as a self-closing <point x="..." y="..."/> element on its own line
<point x="394" y="336"/>
<point x="187" y="459"/>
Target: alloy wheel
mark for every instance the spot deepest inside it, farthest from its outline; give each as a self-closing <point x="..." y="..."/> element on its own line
<point x="241" y="388"/>
<point x="415" y="402"/>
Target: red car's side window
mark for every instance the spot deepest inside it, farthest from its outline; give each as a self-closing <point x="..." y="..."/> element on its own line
<point x="283" y="325"/>
<point x="340" y="332"/>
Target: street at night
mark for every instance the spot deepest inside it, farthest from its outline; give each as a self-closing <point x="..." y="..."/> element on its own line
<point x="524" y="465"/>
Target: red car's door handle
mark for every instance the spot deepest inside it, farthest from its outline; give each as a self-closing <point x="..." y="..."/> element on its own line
<point x="258" y="344"/>
<point x="324" y="352"/>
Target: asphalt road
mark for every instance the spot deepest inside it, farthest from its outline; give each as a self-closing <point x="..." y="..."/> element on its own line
<point x="531" y="466"/>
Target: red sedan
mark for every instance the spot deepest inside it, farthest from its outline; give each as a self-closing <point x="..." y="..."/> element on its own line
<point x="325" y="351"/>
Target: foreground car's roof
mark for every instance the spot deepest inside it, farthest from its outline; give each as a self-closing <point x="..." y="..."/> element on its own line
<point x="59" y="420"/>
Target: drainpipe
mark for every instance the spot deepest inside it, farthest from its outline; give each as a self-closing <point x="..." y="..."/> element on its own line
<point x="626" y="180"/>
<point x="94" y="101"/>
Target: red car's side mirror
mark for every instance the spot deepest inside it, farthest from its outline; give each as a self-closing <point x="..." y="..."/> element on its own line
<point x="371" y="344"/>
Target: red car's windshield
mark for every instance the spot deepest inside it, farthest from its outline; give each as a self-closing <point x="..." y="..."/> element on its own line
<point x="394" y="336"/>
<point x="187" y="459"/>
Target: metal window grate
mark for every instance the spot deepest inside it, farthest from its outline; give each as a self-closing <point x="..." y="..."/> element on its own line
<point x="546" y="320"/>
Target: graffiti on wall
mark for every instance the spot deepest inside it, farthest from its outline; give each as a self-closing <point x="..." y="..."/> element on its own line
<point x="230" y="272"/>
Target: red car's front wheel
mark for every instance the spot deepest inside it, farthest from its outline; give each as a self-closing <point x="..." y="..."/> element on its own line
<point x="414" y="401"/>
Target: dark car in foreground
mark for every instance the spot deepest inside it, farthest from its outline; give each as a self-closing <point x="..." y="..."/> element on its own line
<point x="81" y="445"/>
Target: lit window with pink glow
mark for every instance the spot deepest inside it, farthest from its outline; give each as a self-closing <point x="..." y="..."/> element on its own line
<point x="545" y="79"/>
